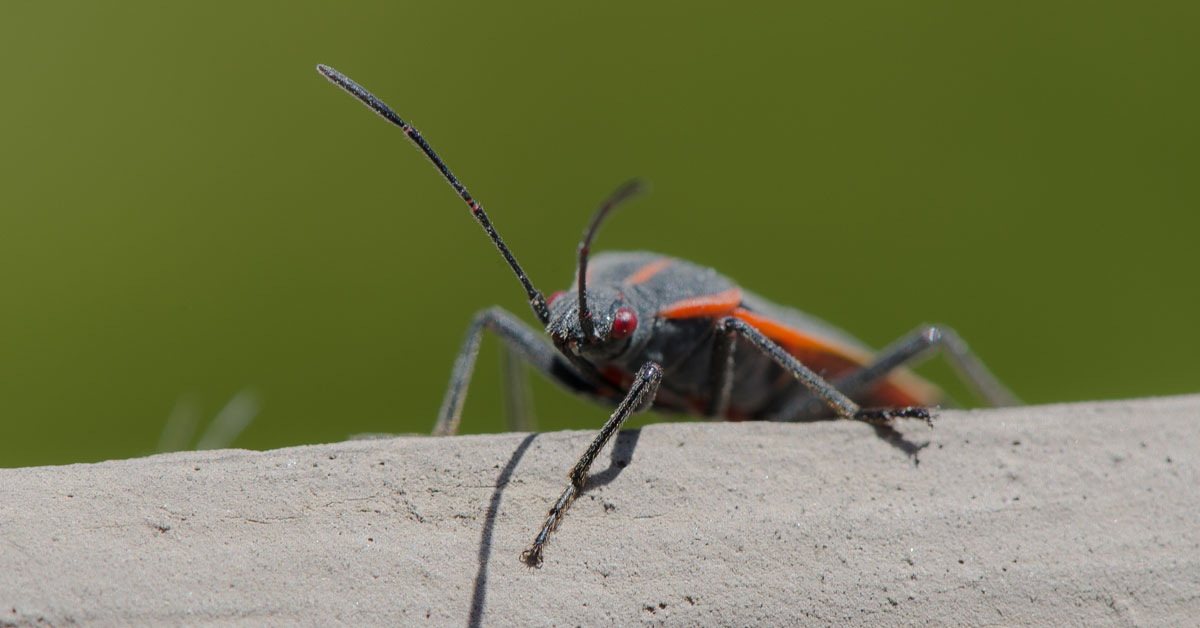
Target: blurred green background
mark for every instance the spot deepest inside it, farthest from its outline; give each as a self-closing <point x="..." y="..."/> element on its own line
<point x="191" y="215"/>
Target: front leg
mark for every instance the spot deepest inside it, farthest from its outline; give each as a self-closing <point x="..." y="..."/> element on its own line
<point x="526" y="345"/>
<point x="640" y="396"/>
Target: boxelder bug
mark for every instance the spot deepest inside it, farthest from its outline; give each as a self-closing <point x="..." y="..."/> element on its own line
<point x="642" y="329"/>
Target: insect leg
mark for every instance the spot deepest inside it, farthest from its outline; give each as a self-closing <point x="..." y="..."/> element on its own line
<point x="825" y="391"/>
<point x="918" y="344"/>
<point x="640" y="396"/>
<point x="518" y="338"/>
<point x="518" y="398"/>
<point x="720" y="374"/>
<point x="910" y="349"/>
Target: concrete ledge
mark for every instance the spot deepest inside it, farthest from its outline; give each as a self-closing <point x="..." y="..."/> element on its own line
<point x="1085" y="514"/>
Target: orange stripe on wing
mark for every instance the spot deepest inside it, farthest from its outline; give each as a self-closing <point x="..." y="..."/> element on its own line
<point x="643" y="274"/>
<point x="794" y="339"/>
<point x="711" y="305"/>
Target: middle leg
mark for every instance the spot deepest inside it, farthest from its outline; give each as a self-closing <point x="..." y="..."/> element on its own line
<point x="721" y="377"/>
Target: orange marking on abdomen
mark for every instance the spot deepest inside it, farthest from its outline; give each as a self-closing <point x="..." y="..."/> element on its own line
<point x="617" y="377"/>
<point x="643" y="274"/>
<point x="711" y="305"/>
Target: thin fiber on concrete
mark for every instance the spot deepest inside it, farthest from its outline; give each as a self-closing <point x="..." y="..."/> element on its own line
<point x="1085" y="514"/>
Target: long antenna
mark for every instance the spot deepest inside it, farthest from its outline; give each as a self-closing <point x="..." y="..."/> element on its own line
<point x="620" y="195"/>
<point x="536" y="300"/>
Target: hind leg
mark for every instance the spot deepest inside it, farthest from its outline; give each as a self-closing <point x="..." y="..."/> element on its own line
<point x="911" y="349"/>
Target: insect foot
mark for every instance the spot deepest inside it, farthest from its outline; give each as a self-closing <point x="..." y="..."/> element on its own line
<point x="884" y="416"/>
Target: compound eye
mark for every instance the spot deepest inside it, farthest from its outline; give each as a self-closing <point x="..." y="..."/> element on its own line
<point x="554" y="297"/>
<point x="624" y="323"/>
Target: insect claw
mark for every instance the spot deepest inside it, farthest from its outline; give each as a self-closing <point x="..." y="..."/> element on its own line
<point x="931" y="414"/>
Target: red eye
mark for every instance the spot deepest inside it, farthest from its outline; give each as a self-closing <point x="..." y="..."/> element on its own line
<point x="624" y="323"/>
<point x="554" y="297"/>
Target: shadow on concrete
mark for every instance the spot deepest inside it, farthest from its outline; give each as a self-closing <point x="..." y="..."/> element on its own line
<point x="479" y="597"/>
<point x="620" y="457"/>
<point x="893" y="437"/>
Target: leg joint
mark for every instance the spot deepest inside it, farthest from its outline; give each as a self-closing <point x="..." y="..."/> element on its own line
<point x="650" y="372"/>
<point x="729" y="325"/>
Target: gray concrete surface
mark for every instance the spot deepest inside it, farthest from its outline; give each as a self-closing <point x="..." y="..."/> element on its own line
<point x="1085" y="514"/>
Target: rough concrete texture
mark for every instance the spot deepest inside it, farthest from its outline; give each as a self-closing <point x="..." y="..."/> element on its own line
<point x="1084" y="514"/>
